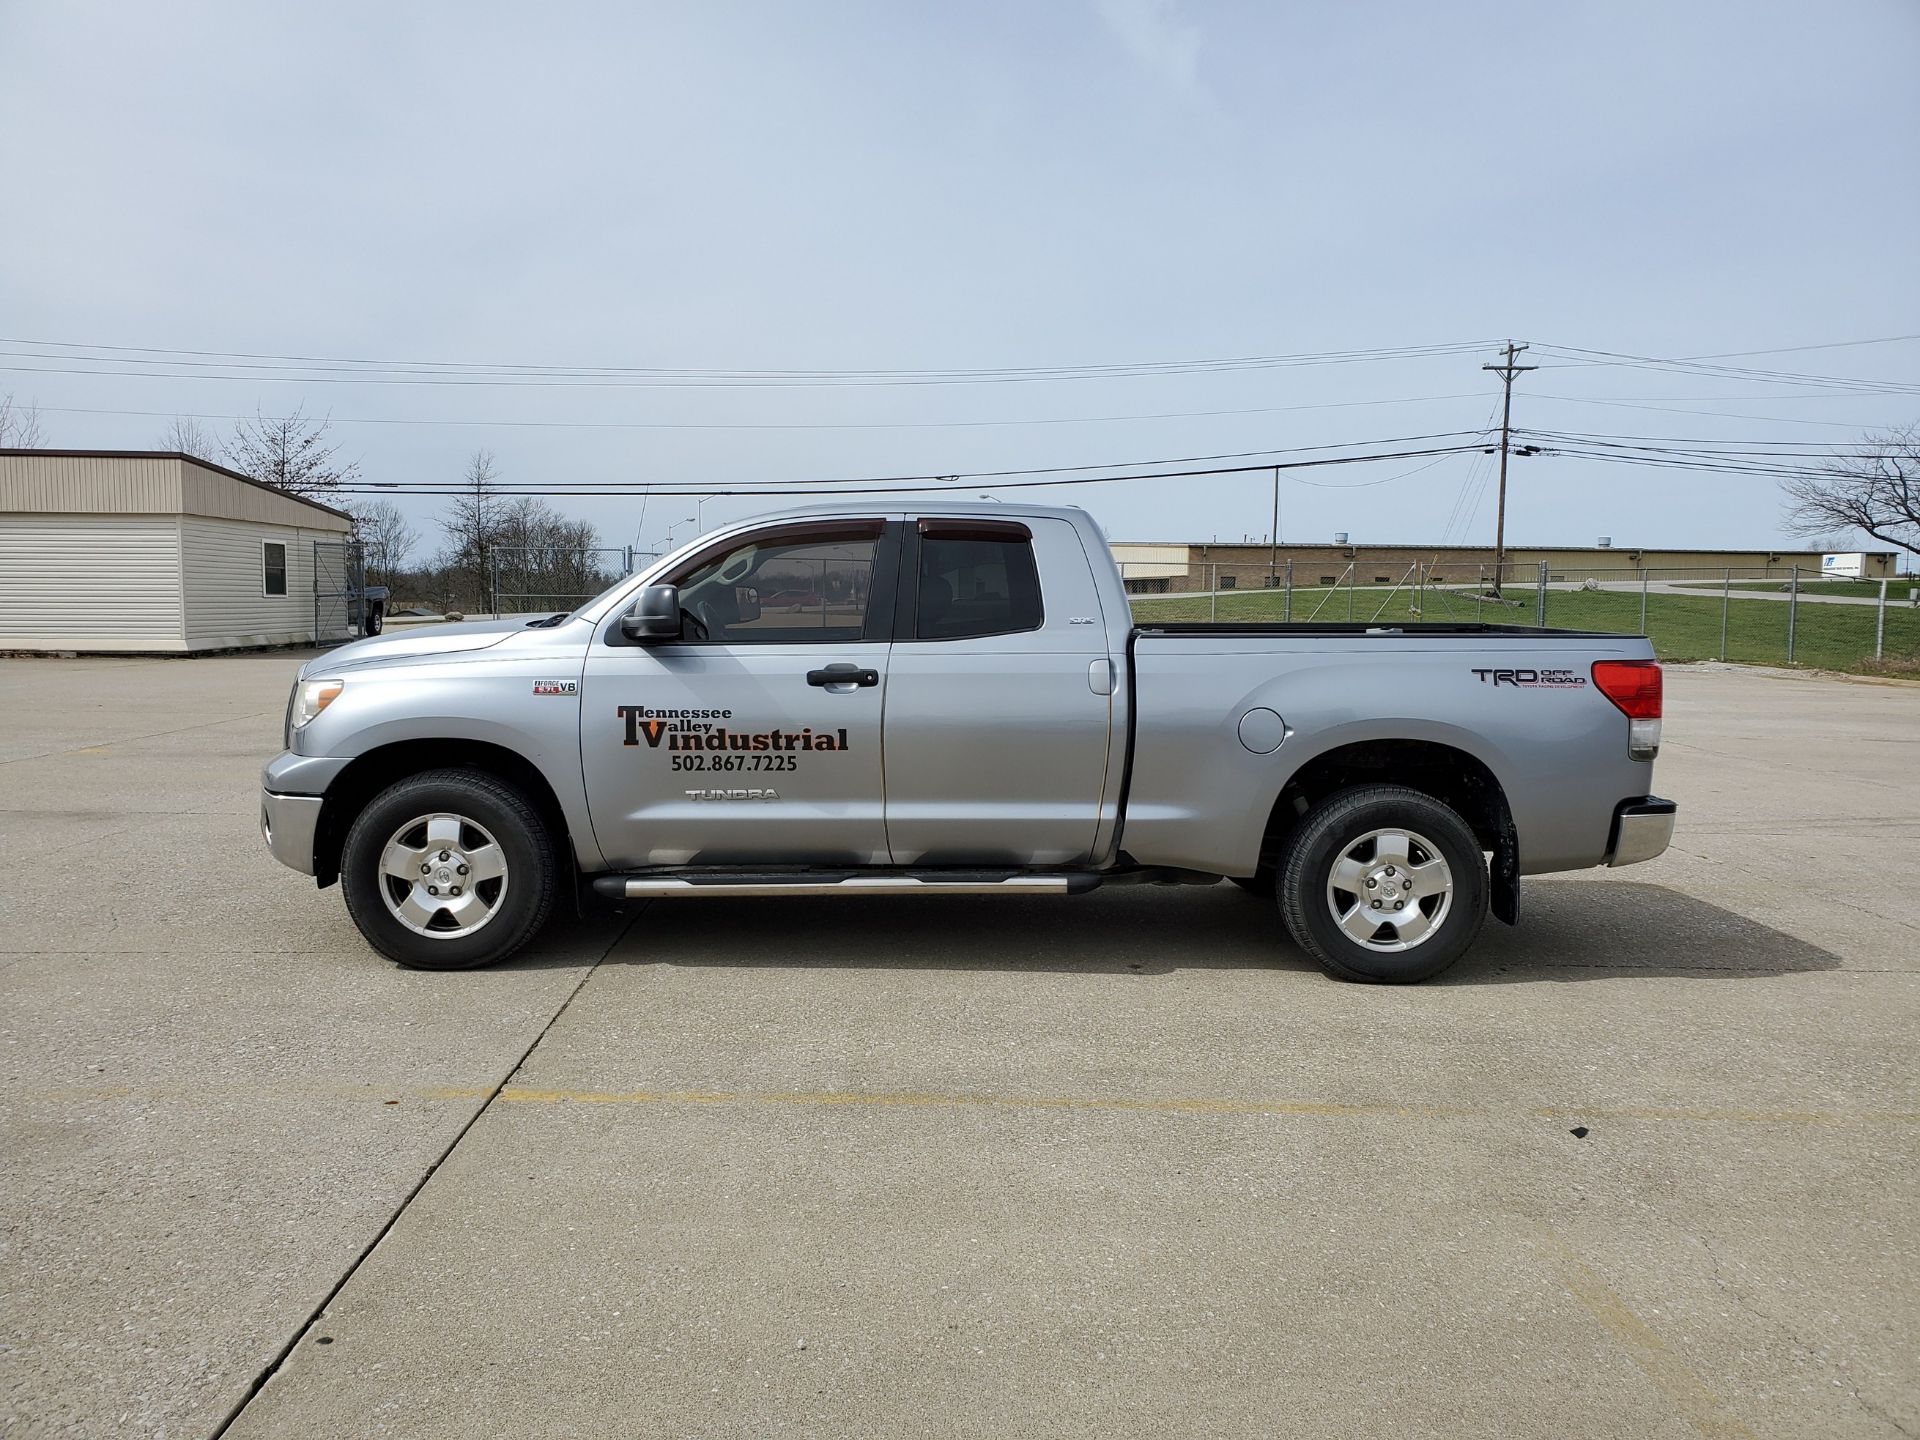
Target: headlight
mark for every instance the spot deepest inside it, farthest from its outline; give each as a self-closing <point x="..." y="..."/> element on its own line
<point x="310" y="697"/>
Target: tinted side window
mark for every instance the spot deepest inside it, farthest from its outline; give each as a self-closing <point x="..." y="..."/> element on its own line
<point x="787" y="591"/>
<point x="976" y="587"/>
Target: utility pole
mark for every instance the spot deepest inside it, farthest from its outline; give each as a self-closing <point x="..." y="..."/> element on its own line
<point x="1506" y="372"/>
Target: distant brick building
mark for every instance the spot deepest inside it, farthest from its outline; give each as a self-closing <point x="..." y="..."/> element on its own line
<point x="1154" y="568"/>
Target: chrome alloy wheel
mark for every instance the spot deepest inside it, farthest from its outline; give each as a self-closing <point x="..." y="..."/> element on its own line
<point x="1390" y="889"/>
<point x="443" y="876"/>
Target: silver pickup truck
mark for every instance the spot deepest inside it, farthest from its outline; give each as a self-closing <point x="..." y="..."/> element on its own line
<point x="870" y="700"/>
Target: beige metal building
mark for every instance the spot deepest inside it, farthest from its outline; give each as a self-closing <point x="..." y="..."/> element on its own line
<point x="1157" y="567"/>
<point x="147" y="552"/>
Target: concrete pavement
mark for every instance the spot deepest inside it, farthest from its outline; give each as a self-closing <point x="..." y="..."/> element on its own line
<point x="1118" y="1165"/>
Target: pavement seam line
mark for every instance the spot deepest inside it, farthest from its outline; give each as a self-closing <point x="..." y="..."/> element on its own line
<point x="281" y="1356"/>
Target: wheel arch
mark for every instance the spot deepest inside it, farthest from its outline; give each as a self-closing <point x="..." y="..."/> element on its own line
<point x="370" y="773"/>
<point x="1456" y="777"/>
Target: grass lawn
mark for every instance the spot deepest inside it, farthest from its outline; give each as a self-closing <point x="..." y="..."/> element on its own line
<point x="1897" y="587"/>
<point x="1682" y="627"/>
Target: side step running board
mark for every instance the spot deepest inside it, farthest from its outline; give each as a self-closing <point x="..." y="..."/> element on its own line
<point x="675" y="887"/>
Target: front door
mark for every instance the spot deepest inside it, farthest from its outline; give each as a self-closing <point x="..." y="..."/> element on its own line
<point x="756" y="736"/>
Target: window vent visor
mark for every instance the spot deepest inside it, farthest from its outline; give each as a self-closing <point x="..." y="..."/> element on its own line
<point x="1004" y="530"/>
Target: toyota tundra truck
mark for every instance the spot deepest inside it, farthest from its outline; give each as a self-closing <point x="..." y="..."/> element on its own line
<point x="865" y="701"/>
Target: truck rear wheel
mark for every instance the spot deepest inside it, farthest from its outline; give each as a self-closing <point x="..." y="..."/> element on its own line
<point x="1384" y="884"/>
<point x="449" y="870"/>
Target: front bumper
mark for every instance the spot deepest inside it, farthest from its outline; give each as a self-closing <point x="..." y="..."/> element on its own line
<point x="1642" y="830"/>
<point x="291" y="794"/>
<point x="288" y="822"/>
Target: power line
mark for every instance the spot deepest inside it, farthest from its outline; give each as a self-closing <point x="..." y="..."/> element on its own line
<point x="891" y="485"/>
<point x="1730" y="372"/>
<point x="1722" y="414"/>
<point x="781" y="424"/>
<point x="341" y="370"/>
<point x="1794" y="349"/>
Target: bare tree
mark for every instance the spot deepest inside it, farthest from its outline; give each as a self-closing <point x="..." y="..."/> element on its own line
<point x="20" y="427"/>
<point x="472" y="525"/>
<point x="188" y="436"/>
<point x="1874" y="487"/>
<point x="387" y="536"/>
<point x="291" y="453"/>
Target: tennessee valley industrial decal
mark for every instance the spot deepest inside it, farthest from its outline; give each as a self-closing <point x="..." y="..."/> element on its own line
<point x="700" y="730"/>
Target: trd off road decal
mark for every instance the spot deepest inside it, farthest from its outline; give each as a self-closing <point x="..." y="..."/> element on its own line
<point x="1533" y="679"/>
<point x="700" y="740"/>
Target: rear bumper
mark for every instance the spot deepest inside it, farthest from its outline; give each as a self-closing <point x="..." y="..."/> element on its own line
<point x="1642" y="830"/>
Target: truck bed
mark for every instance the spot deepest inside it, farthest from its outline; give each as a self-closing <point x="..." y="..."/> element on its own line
<point x="1436" y="629"/>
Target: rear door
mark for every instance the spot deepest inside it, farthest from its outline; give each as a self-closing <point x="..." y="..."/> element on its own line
<point x="756" y="736"/>
<point x="999" y="696"/>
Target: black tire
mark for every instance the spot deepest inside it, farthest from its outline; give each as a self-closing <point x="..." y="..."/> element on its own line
<point x="376" y="619"/>
<point x="527" y="887"/>
<point x="1339" y="824"/>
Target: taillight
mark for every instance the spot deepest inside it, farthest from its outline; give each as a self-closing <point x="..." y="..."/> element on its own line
<point x="1634" y="688"/>
<point x="1633" y="685"/>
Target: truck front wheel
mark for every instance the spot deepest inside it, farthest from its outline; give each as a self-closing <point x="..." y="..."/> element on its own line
<point x="1384" y="884"/>
<point x="449" y="870"/>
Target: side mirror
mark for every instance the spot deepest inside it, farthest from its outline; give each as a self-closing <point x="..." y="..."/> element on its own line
<point x="654" y="616"/>
<point x="747" y="604"/>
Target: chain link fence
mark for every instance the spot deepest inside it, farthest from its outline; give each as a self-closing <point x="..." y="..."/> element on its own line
<point x="1770" y="616"/>
<point x="535" y="579"/>
<point x="339" y="591"/>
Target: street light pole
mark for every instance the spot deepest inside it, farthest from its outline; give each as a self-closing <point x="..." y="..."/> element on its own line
<point x="1273" y="535"/>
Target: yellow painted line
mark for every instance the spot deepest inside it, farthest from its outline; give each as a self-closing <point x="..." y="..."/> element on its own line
<point x="924" y="1100"/>
<point x="1656" y="1359"/>
<point x="529" y="1095"/>
<point x="523" y="1095"/>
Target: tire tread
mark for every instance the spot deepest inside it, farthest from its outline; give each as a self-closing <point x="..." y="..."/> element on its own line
<point x="545" y="881"/>
<point x="1297" y="889"/>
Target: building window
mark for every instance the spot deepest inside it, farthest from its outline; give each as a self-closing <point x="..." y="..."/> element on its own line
<point x="1273" y="582"/>
<point x="1383" y="579"/>
<point x="1227" y="582"/>
<point x="1329" y="579"/>
<point x="274" y="567"/>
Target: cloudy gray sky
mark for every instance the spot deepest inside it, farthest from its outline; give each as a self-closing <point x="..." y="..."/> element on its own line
<point x="897" y="187"/>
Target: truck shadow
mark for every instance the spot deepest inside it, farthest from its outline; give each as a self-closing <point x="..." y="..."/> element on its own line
<point x="1569" y="930"/>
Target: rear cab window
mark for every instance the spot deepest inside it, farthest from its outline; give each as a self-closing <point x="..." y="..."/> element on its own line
<point x="976" y="578"/>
